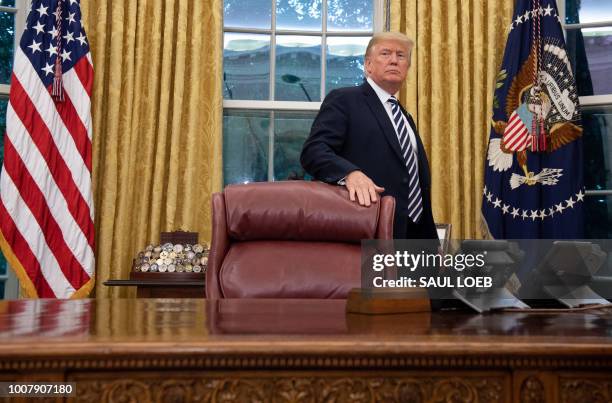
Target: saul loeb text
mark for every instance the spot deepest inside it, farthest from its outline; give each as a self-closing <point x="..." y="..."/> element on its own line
<point x="431" y="270"/>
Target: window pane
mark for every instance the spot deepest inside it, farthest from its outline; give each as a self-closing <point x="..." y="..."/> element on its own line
<point x="7" y="45"/>
<point x="298" y="68"/>
<point x="345" y="61"/>
<point x="598" y="217"/>
<point x="290" y="131"/>
<point x="584" y="11"/>
<point x="246" y="66"/>
<point x="590" y="51"/>
<point x="7" y="3"/>
<point x="245" y="146"/>
<point x="247" y="13"/>
<point x="597" y="124"/>
<point x="302" y="15"/>
<point x="350" y="15"/>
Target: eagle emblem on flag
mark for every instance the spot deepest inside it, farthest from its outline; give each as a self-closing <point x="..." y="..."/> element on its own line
<point x="542" y="106"/>
<point x="533" y="181"/>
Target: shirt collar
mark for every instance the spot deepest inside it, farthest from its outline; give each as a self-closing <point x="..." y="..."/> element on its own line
<point x="382" y="94"/>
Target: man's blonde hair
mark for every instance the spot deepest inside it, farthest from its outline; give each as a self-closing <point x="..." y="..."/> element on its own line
<point x="389" y="36"/>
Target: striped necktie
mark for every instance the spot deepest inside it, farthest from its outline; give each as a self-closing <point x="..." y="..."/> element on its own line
<point x="415" y="202"/>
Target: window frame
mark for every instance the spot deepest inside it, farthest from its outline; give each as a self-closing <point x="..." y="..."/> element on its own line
<point x="273" y="106"/>
<point x="378" y="24"/>
<point x="20" y="10"/>
<point x="590" y="100"/>
<point x="21" y="14"/>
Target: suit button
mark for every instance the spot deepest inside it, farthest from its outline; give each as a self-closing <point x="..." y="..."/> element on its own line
<point x="404" y="180"/>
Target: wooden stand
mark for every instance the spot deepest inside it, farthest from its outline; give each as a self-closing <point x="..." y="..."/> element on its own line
<point x="165" y="285"/>
<point x="387" y="301"/>
<point x="178" y="237"/>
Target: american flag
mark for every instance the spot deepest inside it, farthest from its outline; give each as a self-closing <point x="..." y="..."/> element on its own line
<point x="46" y="203"/>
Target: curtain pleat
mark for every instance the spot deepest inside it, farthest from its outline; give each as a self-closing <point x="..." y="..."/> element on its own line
<point x="459" y="46"/>
<point x="157" y="112"/>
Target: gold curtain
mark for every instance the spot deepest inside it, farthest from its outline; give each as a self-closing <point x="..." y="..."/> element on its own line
<point x="157" y="113"/>
<point x="459" y="49"/>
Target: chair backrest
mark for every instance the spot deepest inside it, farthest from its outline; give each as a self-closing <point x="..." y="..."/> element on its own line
<point x="293" y="239"/>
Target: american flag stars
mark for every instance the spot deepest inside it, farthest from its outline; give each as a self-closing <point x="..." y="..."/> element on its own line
<point x="524" y="18"/>
<point x="42" y="27"/>
<point x="42" y="10"/>
<point x="35" y="46"/>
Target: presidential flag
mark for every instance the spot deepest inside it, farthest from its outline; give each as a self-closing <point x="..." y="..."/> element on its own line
<point x="46" y="203"/>
<point x="533" y="174"/>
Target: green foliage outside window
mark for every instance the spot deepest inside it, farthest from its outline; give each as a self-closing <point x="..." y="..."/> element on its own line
<point x="7" y="45"/>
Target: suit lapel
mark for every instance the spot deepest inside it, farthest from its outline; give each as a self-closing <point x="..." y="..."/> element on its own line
<point x="382" y="117"/>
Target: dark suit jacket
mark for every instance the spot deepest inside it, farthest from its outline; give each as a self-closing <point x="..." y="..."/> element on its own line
<point x="353" y="132"/>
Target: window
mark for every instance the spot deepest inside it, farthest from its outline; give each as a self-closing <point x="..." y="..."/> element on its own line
<point x="588" y="29"/>
<point x="12" y="20"/>
<point x="280" y="59"/>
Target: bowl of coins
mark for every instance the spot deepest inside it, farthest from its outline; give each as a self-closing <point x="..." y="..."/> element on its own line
<point x="172" y="258"/>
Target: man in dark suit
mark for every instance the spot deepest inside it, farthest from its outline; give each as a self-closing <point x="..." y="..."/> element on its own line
<point x="363" y="139"/>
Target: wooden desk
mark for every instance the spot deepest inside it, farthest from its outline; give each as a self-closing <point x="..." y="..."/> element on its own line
<point x="154" y="350"/>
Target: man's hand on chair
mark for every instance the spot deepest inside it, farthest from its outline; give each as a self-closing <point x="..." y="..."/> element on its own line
<point x="358" y="184"/>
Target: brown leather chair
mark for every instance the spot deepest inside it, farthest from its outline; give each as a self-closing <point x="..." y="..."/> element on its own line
<point x="291" y="239"/>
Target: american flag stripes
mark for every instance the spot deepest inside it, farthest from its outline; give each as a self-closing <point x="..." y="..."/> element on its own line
<point x="46" y="203"/>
